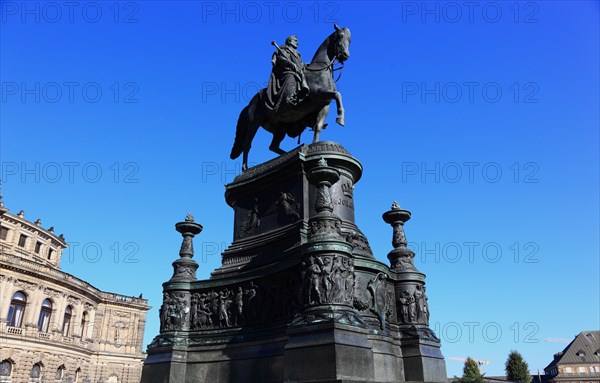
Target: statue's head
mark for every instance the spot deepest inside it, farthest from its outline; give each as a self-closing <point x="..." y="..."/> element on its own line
<point x="342" y="43"/>
<point x="292" y="41"/>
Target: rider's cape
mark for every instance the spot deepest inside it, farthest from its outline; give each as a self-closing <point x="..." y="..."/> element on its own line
<point x="287" y="85"/>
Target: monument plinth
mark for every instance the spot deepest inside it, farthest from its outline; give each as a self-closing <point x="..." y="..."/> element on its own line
<point x="299" y="296"/>
<point x="273" y="203"/>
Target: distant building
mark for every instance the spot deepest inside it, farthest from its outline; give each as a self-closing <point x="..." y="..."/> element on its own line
<point x="55" y="327"/>
<point x="579" y="362"/>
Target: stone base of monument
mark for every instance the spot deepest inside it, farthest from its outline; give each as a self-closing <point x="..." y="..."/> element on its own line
<point x="328" y="351"/>
<point x="423" y="361"/>
<point x="299" y="296"/>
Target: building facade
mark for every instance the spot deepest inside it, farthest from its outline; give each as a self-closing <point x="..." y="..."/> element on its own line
<point x="579" y="362"/>
<point x="55" y="327"/>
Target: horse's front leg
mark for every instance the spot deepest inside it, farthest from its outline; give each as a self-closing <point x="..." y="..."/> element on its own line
<point x="320" y="123"/>
<point x="337" y="96"/>
<point x="278" y="136"/>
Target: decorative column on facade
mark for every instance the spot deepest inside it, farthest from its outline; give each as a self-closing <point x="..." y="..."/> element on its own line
<point x="139" y="341"/>
<point x="76" y="321"/>
<point x="5" y="300"/>
<point x="6" y="291"/>
<point x="60" y="304"/>
<point x="327" y="263"/>
<point x="76" y="330"/>
<point x="98" y="328"/>
<point x="32" y="309"/>
<point x="87" y="334"/>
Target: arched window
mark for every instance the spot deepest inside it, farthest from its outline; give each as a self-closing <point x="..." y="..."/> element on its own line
<point x="16" y="309"/>
<point x="60" y="372"/>
<point x="67" y="321"/>
<point x="84" y="324"/>
<point x="36" y="373"/>
<point x="77" y="373"/>
<point x="5" y="369"/>
<point x="45" y="314"/>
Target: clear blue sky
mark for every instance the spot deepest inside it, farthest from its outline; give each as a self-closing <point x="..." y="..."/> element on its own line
<point x="481" y="118"/>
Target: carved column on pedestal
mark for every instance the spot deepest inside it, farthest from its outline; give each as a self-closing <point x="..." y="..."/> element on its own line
<point x="327" y="264"/>
<point x="184" y="269"/>
<point x="401" y="258"/>
<point x="175" y="309"/>
<point x="325" y="225"/>
<point x="329" y="334"/>
<point x="411" y="299"/>
<point x="420" y="345"/>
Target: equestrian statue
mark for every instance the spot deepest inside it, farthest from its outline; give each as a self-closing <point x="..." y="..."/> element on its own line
<point x="297" y="97"/>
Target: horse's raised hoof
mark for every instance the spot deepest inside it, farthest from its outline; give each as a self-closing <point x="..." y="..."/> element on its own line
<point x="340" y="120"/>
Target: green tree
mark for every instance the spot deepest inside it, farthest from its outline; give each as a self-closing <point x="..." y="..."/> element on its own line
<point x="517" y="369"/>
<point x="471" y="373"/>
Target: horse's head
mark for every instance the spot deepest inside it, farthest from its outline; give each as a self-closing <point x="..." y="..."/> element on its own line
<point x="341" y="43"/>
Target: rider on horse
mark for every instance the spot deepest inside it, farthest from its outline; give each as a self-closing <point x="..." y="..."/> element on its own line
<point x="289" y="104"/>
<point x="287" y="84"/>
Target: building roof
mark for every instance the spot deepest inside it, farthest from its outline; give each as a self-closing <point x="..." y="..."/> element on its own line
<point x="60" y="239"/>
<point x="585" y="348"/>
<point x="26" y="262"/>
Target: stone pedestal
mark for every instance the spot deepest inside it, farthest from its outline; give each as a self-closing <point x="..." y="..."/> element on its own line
<point x="299" y="296"/>
<point x="328" y="352"/>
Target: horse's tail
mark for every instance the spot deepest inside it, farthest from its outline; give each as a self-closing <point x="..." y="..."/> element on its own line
<point x="240" y="134"/>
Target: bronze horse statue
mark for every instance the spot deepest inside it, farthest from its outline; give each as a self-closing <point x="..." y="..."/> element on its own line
<point x="310" y="112"/>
